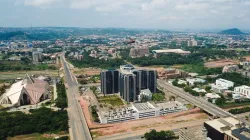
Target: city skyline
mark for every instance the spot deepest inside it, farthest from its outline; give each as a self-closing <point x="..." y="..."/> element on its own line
<point x="149" y="14"/>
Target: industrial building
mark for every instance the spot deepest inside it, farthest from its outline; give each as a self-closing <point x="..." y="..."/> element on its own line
<point x="140" y="111"/>
<point x="169" y="51"/>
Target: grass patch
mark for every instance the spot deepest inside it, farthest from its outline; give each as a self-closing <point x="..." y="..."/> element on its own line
<point x="112" y="100"/>
<point x="34" y="136"/>
<point x="232" y="104"/>
<point x="1" y="107"/>
<point x="201" y="69"/>
<point x="96" y="134"/>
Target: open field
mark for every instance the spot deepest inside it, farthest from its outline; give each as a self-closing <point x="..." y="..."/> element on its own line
<point x="247" y="58"/>
<point x="34" y="136"/>
<point x="87" y="71"/>
<point x="221" y="63"/>
<point x="20" y="74"/>
<point x="168" y="122"/>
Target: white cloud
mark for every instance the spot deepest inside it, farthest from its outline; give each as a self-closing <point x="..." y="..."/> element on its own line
<point x="176" y="11"/>
<point x="39" y="2"/>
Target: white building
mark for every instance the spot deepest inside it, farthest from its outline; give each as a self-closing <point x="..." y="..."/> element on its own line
<point x="192" y="43"/>
<point x="221" y="85"/>
<point x="245" y="63"/>
<point x="212" y="96"/>
<point x="146" y="93"/>
<point x="25" y="92"/>
<point x="192" y="81"/>
<point x="140" y="111"/>
<point x="243" y="91"/>
<point x="37" y="57"/>
<point x="199" y="90"/>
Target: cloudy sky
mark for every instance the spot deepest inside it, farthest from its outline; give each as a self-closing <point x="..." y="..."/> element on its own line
<point x="163" y="14"/>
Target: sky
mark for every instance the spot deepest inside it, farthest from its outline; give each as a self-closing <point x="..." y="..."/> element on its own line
<point x="153" y="14"/>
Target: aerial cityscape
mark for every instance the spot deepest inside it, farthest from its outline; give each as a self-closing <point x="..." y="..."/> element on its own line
<point x="124" y="70"/>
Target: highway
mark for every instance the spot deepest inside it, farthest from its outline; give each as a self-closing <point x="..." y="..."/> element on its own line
<point x="197" y="101"/>
<point x="78" y="126"/>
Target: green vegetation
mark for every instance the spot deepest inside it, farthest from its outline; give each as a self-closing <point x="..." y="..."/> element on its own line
<point x="186" y="88"/>
<point x="158" y="97"/>
<point x="40" y="120"/>
<point x="168" y="59"/>
<point x="162" y="135"/>
<point x="201" y="69"/>
<point x="94" y="113"/>
<point x="113" y="100"/>
<point x="34" y="136"/>
<point x="237" y="78"/>
<point x="191" y="91"/>
<point x="239" y="110"/>
<point x="3" y="89"/>
<point x="45" y="35"/>
<point x="94" y="89"/>
<point x="19" y="65"/>
<point x="96" y="62"/>
<point x="61" y="100"/>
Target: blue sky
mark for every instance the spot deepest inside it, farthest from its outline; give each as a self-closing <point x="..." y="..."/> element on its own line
<point x="163" y="14"/>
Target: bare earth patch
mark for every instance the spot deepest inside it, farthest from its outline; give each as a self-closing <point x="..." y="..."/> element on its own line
<point x="171" y="121"/>
<point x="221" y="63"/>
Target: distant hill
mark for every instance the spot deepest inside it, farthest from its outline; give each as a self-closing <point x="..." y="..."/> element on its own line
<point x="233" y="31"/>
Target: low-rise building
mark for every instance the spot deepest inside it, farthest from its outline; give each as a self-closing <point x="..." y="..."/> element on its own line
<point x="145" y="93"/>
<point x="192" y="81"/>
<point x="212" y="96"/>
<point x="226" y="129"/>
<point x="140" y="111"/>
<point x="230" y="68"/>
<point x="172" y="73"/>
<point x="221" y="85"/>
<point x="243" y="91"/>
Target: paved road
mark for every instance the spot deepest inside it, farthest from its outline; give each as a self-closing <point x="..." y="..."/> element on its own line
<point x="78" y="127"/>
<point x="199" y="102"/>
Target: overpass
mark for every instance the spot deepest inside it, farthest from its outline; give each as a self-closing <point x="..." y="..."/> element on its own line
<point x="197" y="101"/>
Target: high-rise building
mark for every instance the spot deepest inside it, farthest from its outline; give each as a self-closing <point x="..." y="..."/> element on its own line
<point x="192" y="43"/>
<point x="128" y="87"/>
<point x="109" y="81"/>
<point x="37" y="57"/>
<point x="129" y="82"/>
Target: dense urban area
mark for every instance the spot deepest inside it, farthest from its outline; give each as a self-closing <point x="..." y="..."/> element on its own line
<point x="118" y="84"/>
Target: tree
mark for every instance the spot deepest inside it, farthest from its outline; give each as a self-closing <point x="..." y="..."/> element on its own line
<point x="162" y="135"/>
<point x="220" y="101"/>
<point x="210" y="100"/>
<point x="208" y="88"/>
<point x="172" y="98"/>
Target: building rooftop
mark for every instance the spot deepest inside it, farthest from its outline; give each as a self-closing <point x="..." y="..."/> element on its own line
<point x="225" y="125"/>
<point x="180" y="51"/>
<point x="143" y="106"/>
<point x="241" y="133"/>
<point x="174" y="104"/>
